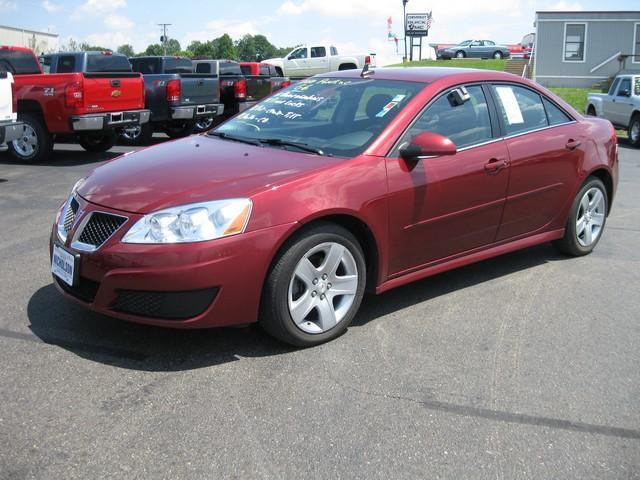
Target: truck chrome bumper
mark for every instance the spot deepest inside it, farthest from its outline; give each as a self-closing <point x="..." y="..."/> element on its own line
<point x="189" y="113"/>
<point x="109" y="121"/>
<point x="242" y="106"/>
<point x="10" y="131"/>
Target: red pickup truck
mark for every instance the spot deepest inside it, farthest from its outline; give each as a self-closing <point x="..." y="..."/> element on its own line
<point x="267" y="72"/>
<point x="92" y="106"/>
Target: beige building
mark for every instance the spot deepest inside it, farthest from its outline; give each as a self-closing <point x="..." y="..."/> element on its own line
<point x="40" y="42"/>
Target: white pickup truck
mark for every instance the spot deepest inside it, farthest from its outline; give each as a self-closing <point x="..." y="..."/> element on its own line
<point x="10" y="129"/>
<point x="306" y="60"/>
<point x="621" y="105"/>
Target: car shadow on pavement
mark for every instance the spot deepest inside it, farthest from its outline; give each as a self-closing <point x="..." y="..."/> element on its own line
<point x="56" y="321"/>
<point x="62" y="157"/>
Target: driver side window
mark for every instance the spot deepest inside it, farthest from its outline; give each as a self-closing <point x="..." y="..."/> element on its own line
<point x="466" y="125"/>
<point x="299" y="53"/>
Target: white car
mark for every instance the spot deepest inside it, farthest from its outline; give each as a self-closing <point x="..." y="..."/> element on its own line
<point x="10" y="129"/>
<point x="306" y="60"/>
<point x="621" y="105"/>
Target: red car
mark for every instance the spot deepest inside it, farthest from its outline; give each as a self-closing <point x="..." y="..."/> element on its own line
<point x="340" y="184"/>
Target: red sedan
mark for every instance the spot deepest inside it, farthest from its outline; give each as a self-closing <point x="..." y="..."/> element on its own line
<point x="340" y="184"/>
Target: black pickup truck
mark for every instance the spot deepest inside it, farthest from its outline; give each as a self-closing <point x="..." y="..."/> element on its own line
<point x="177" y="97"/>
<point x="237" y="91"/>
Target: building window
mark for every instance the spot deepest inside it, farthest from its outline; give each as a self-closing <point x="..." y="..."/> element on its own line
<point x="636" y="44"/>
<point x="574" y="42"/>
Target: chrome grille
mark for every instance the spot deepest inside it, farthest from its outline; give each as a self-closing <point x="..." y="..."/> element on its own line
<point x="70" y="214"/>
<point x="99" y="228"/>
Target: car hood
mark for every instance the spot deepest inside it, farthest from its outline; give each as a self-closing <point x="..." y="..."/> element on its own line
<point x="190" y="170"/>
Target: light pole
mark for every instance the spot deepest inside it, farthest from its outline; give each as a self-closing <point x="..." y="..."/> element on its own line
<point x="404" y="26"/>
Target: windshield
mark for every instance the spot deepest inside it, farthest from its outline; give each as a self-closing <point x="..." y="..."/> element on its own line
<point x="336" y="116"/>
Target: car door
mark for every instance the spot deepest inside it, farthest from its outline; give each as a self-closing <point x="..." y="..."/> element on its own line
<point x="475" y="49"/>
<point x="318" y="61"/>
<point x="545" y="151"/>
<point x="443" y="206"/>
<point x="297" y="62"/>
<point x="608" y="101"/>
<point x="621" y="103"/>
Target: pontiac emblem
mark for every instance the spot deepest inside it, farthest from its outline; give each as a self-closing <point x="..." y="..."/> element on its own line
<point x="116" y="93"/>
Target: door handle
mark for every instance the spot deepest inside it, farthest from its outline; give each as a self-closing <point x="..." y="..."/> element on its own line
<point x="494" y="165"/>
<point x="572" y="144"/>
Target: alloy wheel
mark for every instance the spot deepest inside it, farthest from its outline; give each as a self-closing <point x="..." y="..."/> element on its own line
<point x="27" y="144"/>
<point x="590" y="217"/>
<point x="323" y="287"/>
<point x="204" y="123"/>
<point x="634" y="132"/>
<point x="132" y="133"/>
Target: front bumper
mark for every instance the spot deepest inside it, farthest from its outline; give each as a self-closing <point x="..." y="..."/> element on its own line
<point x="109" y="120"/>
<point x="196" y="111"/>
<point x="190" y="285"/>
<point x="10" y="131"/>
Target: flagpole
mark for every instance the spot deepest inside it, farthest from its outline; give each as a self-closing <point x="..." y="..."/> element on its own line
<point x="404" y="26"/>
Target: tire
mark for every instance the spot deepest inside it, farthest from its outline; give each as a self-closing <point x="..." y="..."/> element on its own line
<point x="322" y="315"/>
<point x="574" y="241"/>
<point x="498" y="55"/>
<point x="591" y="111"/>
<point x="97" y="142"/>
<point x="460" y="54"/>
<point x="634" y="131"/>
<point x="179" y="130"/>
<point x="36" y="143"/>
<point x="204" y="124"/>
<point x="141" y="135"/>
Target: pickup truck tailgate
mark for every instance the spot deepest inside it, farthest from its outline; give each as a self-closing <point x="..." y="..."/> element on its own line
<point x="110" y="92"/>
<point x="258" y="87"/>
<point x="199" y="89"/>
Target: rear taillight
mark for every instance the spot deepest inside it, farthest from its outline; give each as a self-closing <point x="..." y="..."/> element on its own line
<point x="285" y="84"/>
<point x="73" y="95"/>
<point x="173" y="91"/>
<point x="240" y="90"/>
<point x="367" y="59"/>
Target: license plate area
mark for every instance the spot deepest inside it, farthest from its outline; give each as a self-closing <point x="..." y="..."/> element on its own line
<point x="65" y="265"/>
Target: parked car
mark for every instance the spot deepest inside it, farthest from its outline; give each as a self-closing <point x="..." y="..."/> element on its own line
<point x="92" y="106"/>
<point x="87" y="62"/>
<point x="474" y="49"/>
<point x="311" y="60"/>
<point x="338" y="184"/>
<point x="10" y="128"/>
<point x="264" y="71"/>
<point x="621" y="105"/>
<point x="177" y="97"/>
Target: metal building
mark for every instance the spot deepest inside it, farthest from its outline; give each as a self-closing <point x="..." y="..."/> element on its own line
<point x="40" y="42"/>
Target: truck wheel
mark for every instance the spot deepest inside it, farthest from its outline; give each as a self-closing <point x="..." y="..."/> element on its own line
<point x="139" y="135"/>
<point x="591" y="111"/>
<point x="203" y="124"/>
<point x="97" y="142"/>
<point x="179" y="130"/>
<point x="36" y="142"/>
<point x="634" y="131"/>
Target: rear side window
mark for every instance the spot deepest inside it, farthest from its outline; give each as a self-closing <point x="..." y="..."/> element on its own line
<point x="521" y="109"/>
<point x="230" y="68"/>
<point x="318" y="52"/>
<point x="246" y="69"/>
<point x="334" y="51"/>
<point x="203" y="68"/>
<point x="66" y="64"/>
<point x="107" y="63"/>
<point x="177" y="65"/>
<point x="147" y="66"/>
<point x="46" y="64"/>
<point x="636" y="89"/>
<point x="466" y="125"/>
<point x="264" y="70"/>
<point x="554" y="114"/>
<point x="18" y="62"/>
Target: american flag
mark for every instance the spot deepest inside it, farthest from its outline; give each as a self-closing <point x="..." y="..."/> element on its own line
<point x="429" y="19"/>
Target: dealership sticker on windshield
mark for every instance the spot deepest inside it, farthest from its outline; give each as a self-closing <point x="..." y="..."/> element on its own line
<point x="510" y="104"/>
<point x="386" y="109"/>
<point x="398" y="98"/>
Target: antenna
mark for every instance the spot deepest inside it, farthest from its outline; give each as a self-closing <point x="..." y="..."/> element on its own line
<point x="164" y="39"/>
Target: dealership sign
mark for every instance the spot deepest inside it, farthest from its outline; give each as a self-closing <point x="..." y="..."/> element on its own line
<point x="417" y="24"/>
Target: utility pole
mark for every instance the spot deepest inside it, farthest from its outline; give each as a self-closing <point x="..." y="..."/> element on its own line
<point x="164" y="38"/>
<point x="404" y="26"/>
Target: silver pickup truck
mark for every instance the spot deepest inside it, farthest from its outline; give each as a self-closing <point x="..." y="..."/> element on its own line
<point x="621" y="105"/>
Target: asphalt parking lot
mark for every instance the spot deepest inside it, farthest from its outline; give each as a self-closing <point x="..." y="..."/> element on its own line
<point x="524" y="366"/>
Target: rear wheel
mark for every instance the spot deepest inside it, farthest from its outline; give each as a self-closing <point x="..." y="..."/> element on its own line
<point x="634" y="131"/>
<point x="138" y="135"/>
<point x="97" y="142"/>
<point x="315" y="287"/>
<point x="586" y="221"/>
<point x="36" y="143"/>
<point x="498" y="55"/>
<point x="460" y="54"/>
<point x="179" y="130"/>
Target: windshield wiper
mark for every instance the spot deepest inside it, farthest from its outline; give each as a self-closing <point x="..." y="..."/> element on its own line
<point x="286" y="143"/>
<point x="226" y="136"/>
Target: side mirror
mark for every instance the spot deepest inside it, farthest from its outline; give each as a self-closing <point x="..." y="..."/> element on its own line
<point x="428" y="144"/>
<point x="290" y="57"/>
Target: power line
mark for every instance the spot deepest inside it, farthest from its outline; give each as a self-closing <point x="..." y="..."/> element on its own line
<point x="164" y="36"/>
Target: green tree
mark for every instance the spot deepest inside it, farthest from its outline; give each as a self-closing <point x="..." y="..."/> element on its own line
<point x="201" y="49"/>
<point x="224" y="48"/>
<point x="173" y="47"/>
<point x="126" y="49"/>
<point x="154" y="49"/>
<point x="85" y="47"/>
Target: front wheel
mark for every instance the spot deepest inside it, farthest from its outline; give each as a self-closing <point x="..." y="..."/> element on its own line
<point x="97" y="142"/>
<point x="35" y="144"/>
<point x="591" y="111"/>
<point x="586" y="221"/>
<point x="634" y="131"/>
<point x="315" y="287"/>
<point x="460" y="54"/>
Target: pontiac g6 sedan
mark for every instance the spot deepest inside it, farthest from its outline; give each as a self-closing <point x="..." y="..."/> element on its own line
<point x="340" y="184"/>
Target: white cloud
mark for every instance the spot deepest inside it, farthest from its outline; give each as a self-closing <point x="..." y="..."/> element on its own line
<point x="118" y="22"/>
<point x="50" y="7"/>
<point x="97" y="7"/>
<point x="7" y="6"/>
<point x="563" y="6"/>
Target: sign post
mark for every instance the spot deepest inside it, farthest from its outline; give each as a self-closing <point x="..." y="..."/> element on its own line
<point x="417" y="25"/>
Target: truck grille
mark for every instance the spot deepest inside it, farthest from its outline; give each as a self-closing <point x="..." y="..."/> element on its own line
<point x="99" y="228"/>
<point x="70" y="214"/>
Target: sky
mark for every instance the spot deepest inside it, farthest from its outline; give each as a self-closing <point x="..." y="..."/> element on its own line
<point x="353" y="26"/>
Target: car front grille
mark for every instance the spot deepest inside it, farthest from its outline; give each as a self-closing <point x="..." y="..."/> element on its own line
<point x="164" y="305"/>
<point x="99" y="228"/>
<point x="70" y="214"/>
<point x="85" y="289"/>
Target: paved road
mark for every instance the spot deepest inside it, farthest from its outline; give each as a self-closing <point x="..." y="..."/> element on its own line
<point x="525" y="366"/>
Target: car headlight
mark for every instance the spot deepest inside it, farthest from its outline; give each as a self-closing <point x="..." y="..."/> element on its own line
<point x="196" y="222"/>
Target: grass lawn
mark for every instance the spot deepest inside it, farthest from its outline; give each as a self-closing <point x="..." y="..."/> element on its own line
<point x="482" y="64"/>
<point x="576" y="97"/>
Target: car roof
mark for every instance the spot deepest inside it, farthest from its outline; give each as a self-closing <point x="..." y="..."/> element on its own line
<point x="429" y="74"/>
